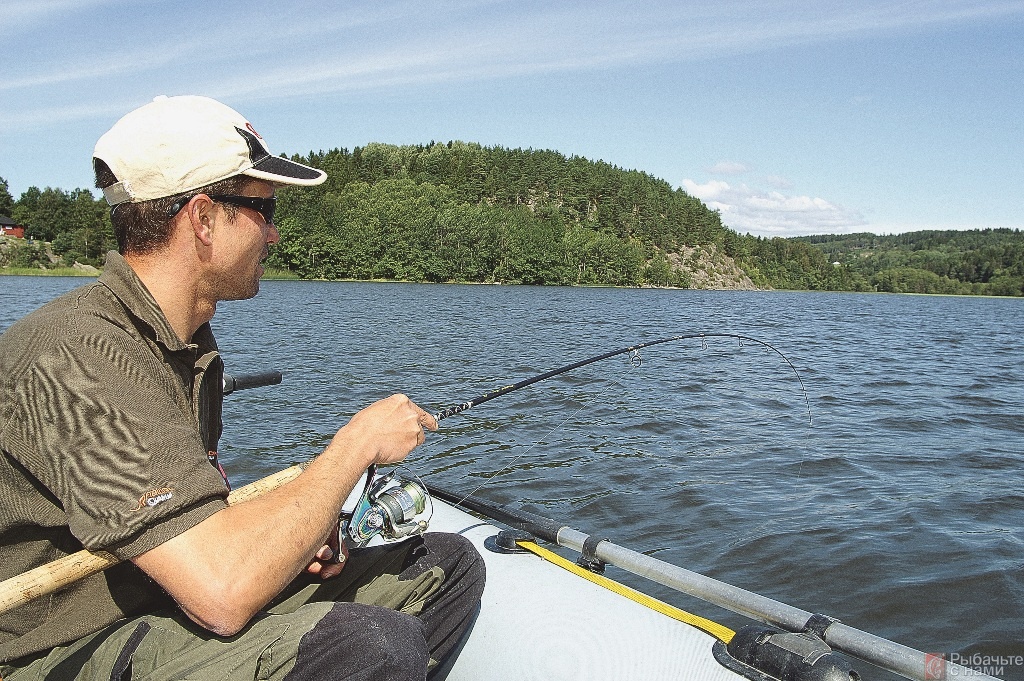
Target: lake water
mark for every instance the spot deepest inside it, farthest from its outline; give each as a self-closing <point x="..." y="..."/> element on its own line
<point x="895" y="506"/>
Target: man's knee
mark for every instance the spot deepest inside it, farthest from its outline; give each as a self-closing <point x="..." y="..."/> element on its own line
<point x="355" y="641"/>
<point x="459" y="559"/>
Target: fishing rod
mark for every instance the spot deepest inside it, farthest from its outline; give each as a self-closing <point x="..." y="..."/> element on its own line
<point x="635" y="359"/>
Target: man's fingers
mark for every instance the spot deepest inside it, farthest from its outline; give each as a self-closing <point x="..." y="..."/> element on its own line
<point x="388" y="423"/>
<point x="427" y="420"/>
<point x="332" y="570"/>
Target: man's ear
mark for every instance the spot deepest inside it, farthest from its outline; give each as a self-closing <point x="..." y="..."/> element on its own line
<point x="200" y="216"/>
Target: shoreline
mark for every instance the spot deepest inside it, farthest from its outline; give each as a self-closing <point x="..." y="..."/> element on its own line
<point x="39" y="272"/>
<point x="283" y="275"/>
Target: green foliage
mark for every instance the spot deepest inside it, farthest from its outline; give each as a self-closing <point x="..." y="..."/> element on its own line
<point x="914" y="280"/>
<point x="75" y="223"/>
<point x="796" y="265"/>
<point x="463" y="212"/>
<point x="21" y="253"/>
<point x="987" y="261"/>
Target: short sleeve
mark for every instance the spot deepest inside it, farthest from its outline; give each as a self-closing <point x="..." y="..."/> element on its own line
<point x="106" y="425"/>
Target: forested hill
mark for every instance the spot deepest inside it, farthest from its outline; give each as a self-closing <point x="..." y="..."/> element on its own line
<point x="463" y="212"/>
<point x="989" y="261"/>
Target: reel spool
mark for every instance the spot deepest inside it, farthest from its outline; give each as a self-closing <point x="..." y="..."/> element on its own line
<point x="389" y="509"/>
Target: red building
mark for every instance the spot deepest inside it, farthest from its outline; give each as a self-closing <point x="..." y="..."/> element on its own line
<point x="9" y="227"/>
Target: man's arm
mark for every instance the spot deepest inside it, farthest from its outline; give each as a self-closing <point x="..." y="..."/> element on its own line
<point x="225" y="569"/>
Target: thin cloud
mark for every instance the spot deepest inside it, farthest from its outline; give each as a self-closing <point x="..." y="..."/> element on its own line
<point x="772" y="213"/>
<point x="108" y="67"/>
<point x="61" y="113"/>
<point x="728" y="168"/>
<point x="18" y="14"/>
<point x="563" y="40"/>
<point x="778" y="182"/>
<point x="465" y="40"/>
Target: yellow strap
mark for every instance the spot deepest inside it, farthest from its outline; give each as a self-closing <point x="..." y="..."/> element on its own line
<point x="723" y="634"/>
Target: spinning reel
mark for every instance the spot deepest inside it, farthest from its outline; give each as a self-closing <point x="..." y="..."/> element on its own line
<point x="388" y="508"/>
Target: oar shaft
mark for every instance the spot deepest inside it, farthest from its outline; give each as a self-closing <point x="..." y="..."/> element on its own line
<point x="63" y="572"/>
<point x="707" y="589"/>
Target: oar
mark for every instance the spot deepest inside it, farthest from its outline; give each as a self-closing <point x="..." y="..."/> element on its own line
<point x="62" y="572"/>
<point x="894" y="657"/>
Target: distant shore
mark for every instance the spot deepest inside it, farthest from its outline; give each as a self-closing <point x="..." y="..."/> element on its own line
<point x="39" y="272"/>
<point x="285" y="275"/>
<point x="75" y="272"/>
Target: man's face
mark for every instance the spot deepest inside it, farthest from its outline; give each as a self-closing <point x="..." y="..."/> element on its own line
<point x="241" y="244"/>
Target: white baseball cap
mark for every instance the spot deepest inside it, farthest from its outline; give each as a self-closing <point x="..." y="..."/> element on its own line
<point x="174" y="145"/>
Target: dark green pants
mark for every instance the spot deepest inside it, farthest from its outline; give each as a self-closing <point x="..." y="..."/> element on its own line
<point x="393" y="612"/>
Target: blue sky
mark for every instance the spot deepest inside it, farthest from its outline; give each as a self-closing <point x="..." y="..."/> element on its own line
<point x="791" y="117"/>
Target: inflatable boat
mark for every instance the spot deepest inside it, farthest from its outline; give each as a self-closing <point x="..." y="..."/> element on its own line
<point x="544" y="616"/>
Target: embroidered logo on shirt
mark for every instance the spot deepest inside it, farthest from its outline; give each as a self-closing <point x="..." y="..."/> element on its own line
<point x="157" y="496"/>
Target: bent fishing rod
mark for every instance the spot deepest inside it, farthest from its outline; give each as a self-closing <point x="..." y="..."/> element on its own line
<point x="635" y="359"/>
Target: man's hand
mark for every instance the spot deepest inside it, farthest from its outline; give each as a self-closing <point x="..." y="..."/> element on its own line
<point x="390" y="428"/>
<point x="330" y="559"/>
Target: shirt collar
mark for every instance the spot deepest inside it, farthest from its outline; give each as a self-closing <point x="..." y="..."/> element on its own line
<point x="120" y="278"/>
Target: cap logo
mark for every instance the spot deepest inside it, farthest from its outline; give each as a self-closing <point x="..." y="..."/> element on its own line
<point x="252" y="129"/>
<point x="257" y="152"/>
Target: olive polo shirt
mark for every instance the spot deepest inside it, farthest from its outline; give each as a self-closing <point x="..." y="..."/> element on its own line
<point x="106" y="421"/>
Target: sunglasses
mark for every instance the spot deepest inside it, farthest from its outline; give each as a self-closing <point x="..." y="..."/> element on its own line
<point x="263" y="206"/>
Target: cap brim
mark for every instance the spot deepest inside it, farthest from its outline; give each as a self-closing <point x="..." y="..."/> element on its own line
<point x="281" y="170"/>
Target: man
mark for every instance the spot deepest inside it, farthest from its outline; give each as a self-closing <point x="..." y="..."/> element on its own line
<point x="109" y="422"/>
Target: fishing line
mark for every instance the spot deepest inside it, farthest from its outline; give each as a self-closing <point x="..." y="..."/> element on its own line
<point x="635" y="361"/>
<point x="544" y="437"/>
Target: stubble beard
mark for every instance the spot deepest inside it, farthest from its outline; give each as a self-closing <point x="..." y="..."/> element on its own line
<point x="240" y="285"/>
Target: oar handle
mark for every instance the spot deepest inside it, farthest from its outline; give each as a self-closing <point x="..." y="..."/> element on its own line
<point x="246" y="381"/>
<point x="65" y="571"/>
<point x="51" y="577"/>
